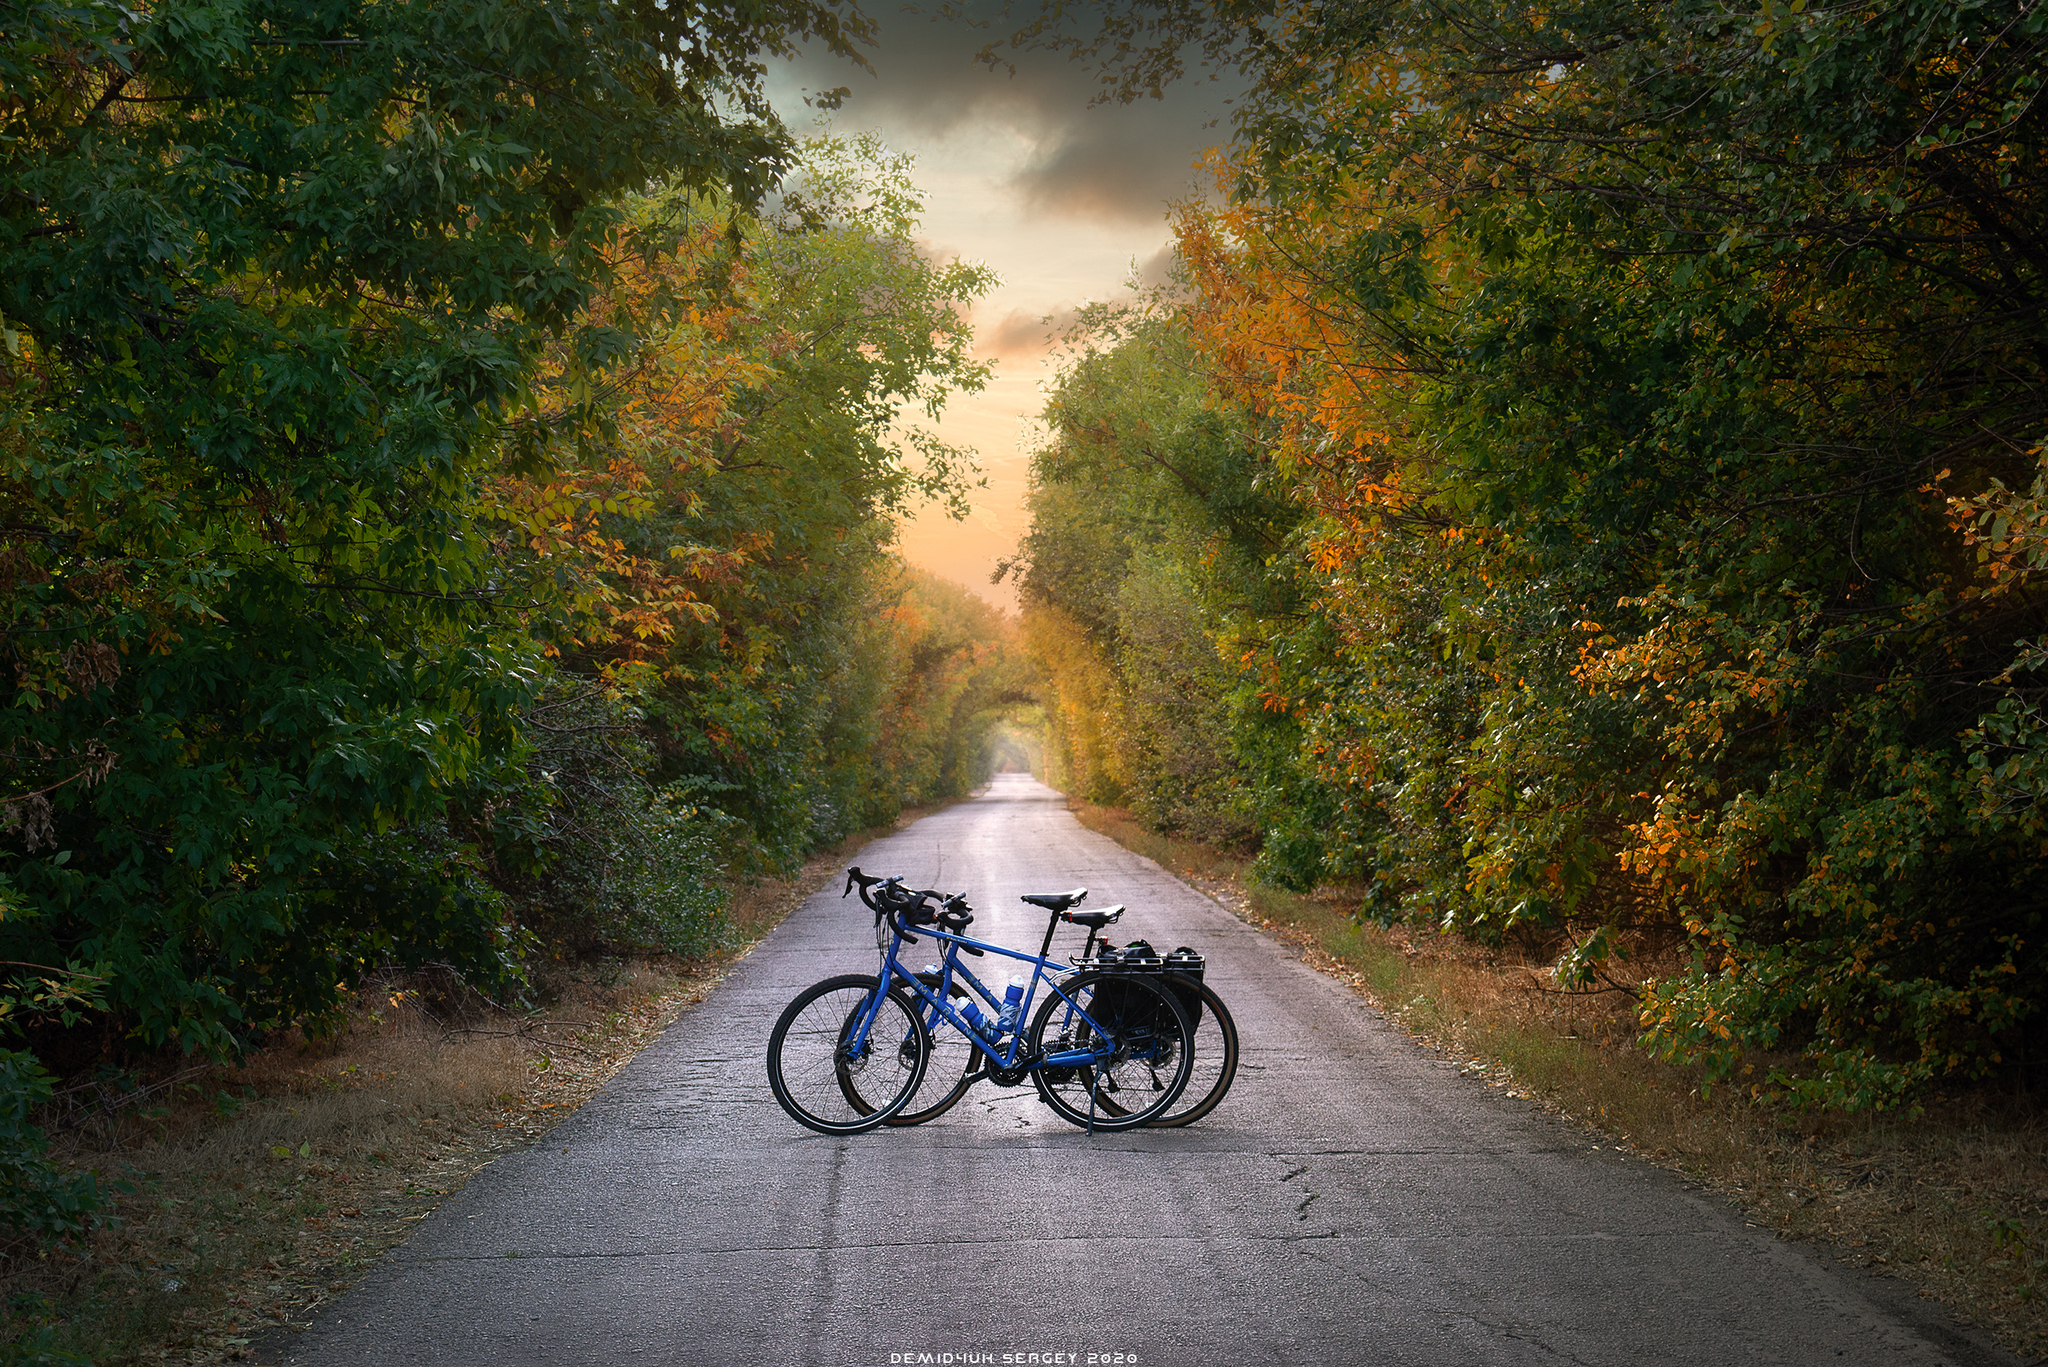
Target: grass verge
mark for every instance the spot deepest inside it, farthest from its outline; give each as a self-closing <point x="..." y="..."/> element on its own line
<point x="265" y="1189"/>
<point x="1954" y="1200"/>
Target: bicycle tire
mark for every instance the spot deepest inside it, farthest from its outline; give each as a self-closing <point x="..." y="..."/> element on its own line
<point x="812" y="1073"/>
<point x="951" y="1067"/>
<point x="1214" y="1065"/>
<point x="1141" y="1021"/>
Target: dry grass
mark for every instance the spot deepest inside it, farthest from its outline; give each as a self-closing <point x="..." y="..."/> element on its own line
<point x="264" y="1190"/>
<point x="1954" y="1200"/>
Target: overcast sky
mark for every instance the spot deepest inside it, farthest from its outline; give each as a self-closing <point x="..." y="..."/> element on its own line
<point x="1061" y="199"/>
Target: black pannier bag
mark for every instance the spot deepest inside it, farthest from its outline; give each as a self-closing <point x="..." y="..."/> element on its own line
<point x="1185" y="964"/>
<point x="1140" y="957"/>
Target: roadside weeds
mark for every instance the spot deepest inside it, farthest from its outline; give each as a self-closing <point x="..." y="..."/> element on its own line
<point x="1954" y="1201"/>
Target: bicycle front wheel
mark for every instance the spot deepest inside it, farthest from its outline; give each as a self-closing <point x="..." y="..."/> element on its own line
<point x="1138" y="1036"/>
<point x="830" y="1079"/>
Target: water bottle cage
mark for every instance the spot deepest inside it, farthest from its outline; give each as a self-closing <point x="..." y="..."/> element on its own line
<point x="931" y="980"/>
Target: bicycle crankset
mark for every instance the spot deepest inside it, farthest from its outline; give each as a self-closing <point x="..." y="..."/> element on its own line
<point x="1013" y="1076"/>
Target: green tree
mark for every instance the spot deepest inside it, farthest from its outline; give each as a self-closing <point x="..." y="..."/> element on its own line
<point x="1639" y="365"/>
<point x="780" y="501"/>
<point x="275" y="279"/>
<point x="1150" y="547"/>
<point x="957" y="677"/>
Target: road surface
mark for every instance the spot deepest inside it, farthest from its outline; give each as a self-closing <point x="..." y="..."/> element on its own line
<point x="1350" y="1202"/>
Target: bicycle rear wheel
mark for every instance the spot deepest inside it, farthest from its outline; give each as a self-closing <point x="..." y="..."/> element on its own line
<point x="828" y="1082"/>
<point x="1214" y="1065"/>
<point x="1140" y="1036"/>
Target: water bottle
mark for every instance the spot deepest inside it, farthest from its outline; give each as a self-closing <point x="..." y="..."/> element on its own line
<point x="1013" y="1006"/>
<point x="983" y="1026"/>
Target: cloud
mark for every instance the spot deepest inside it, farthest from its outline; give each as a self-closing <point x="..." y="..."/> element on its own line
<point x="1020" y="335"/>
<point x="1157" y="269"/>
<point x="925" y="76"/>
<point x="1110" y="164"/>
<point x="1102" y="163"/>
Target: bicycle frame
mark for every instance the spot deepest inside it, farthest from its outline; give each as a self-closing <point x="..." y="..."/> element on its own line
<point x="936" y="1000"/>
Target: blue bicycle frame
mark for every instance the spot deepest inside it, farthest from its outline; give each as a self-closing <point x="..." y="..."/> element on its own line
<point x="938" y="1005"/>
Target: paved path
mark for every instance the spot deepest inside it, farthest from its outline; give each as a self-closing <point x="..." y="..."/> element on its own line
<point x="1350" y="1202"/>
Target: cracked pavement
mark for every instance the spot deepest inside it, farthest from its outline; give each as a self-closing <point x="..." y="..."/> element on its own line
<point x="1349" y="1202"/>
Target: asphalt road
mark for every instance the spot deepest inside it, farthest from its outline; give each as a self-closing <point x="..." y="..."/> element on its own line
<point x="1351" y="1201"/>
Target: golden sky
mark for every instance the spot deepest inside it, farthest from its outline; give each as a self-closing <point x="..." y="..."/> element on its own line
<point x="1063" y="201"/>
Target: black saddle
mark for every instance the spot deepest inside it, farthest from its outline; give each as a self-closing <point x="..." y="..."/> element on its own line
<point x="1095" y="918"/>
<point x="1055" y="901"/>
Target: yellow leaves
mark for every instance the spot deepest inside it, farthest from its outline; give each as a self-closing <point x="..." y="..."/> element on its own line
<point x="647" y="425"/>
<point x="1283" y="341"/>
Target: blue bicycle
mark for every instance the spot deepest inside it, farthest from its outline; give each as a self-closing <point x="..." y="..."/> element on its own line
<point x="1106" y="1050"/>
<point x="956" y="1065"/>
